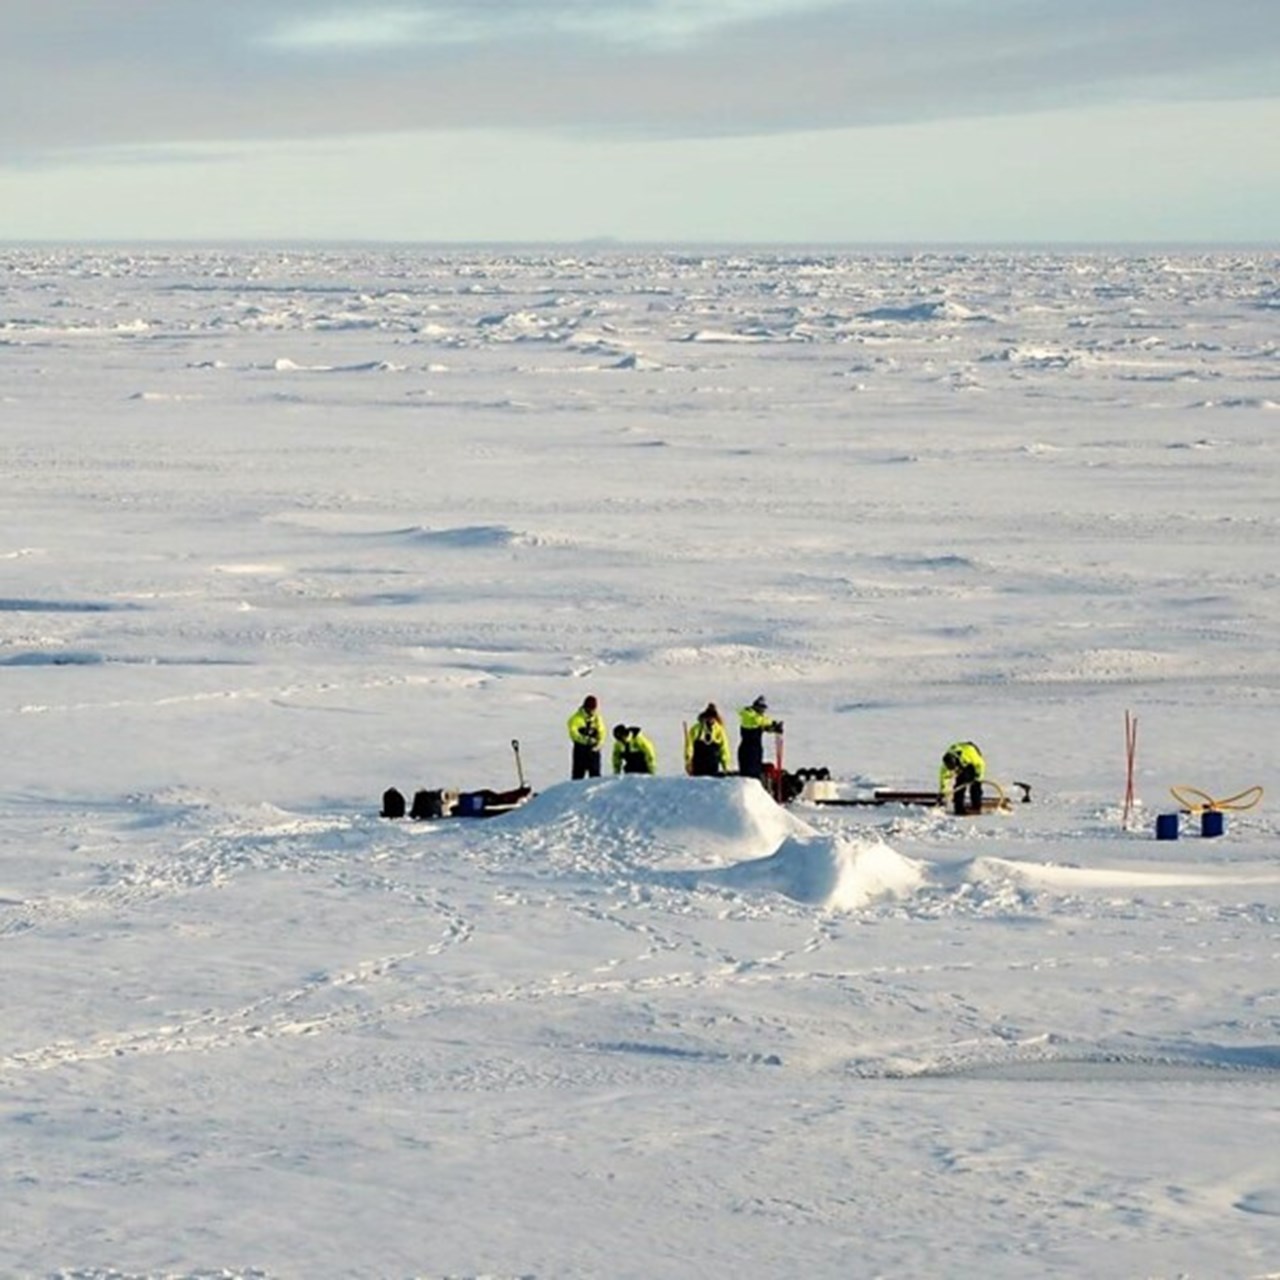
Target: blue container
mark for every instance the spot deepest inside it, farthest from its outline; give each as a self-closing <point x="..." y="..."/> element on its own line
<point x="1166" y="826"/>
<point x="470" y="804"/>
<point x="1213" y="822"/>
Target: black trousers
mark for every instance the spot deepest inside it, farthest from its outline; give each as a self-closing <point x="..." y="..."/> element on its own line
<point x="968" y="786"/>
<point x="751" y="753"/>
<point x="586" y="761"/>
<point x="705" y="761"/>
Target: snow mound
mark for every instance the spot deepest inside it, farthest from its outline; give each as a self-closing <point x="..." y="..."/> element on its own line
<point x="1059" y="878"/>
<point x="285" y="365"/>
<point x="659" y="822"/>
<point x="722" y="336"/>
<point x="1238" y="402"/>
<point x="475" y="535"/>
<point x="459" y="537"/>
<point x="721" y="833"/>
<point x="831" y="871"/>
<point x="932" y="309"/>
<point x="1034" y="357"/>
<point x="641" y="364"/>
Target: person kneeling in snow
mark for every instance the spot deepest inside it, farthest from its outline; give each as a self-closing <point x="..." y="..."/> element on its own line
<point x="632" y="751"/>
<point x="960" y="778"/>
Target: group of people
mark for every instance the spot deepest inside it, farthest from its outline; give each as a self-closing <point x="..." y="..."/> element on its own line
<point x="706" y="750"/>
<point x="706" y="745"/>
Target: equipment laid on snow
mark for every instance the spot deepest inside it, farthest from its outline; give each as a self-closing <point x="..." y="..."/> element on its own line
<point x="484" y="803"/>
<point x="816" y="786"/>
<point x="443" y="802"/>
<point x="1212" y="813"/>
<point x="1245" y="799"/>
<point x="433" y="804"/>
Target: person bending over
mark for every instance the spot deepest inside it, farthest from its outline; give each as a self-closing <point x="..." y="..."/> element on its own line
<point x="632" y="751"/>
<point x="960" y="779"/>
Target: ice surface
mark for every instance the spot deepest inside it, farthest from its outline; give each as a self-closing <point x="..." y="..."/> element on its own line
<point x="281" y="529"/>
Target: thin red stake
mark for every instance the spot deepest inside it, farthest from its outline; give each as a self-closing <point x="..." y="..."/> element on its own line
<point x="1130" y="755"/>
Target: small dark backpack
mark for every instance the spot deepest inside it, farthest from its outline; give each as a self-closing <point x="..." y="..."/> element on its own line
<point x="392" y="804"/>
<point x="427" y="804"/>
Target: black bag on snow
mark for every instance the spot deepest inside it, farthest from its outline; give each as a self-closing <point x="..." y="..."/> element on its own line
<point x="426" y="804"/>
<point x="392" y="804"/>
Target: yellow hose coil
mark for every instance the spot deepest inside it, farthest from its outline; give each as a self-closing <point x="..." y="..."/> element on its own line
<point x="1241" y="800"/>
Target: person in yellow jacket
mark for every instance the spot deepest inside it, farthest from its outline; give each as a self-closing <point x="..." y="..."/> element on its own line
<point x="632" y="751"/>
<point x="586" y="732"/>
<point x="706" y="747"/>
<point x="960" y="778"/>
<point x="753" y="723"/>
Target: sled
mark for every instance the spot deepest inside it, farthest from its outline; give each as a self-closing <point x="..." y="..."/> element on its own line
<point x="825" y="791"/>
<point x="830" y="793"/>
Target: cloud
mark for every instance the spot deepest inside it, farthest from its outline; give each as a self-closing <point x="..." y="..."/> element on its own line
<point x="658" y="24"/>
<point x="372" y="29"/>
<point x="89" y="73"/>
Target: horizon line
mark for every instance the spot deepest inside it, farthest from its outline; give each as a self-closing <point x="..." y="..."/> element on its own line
<point x="616" y="242"/>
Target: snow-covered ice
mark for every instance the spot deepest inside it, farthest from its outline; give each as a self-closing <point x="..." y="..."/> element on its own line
<point x="282" y="529"/>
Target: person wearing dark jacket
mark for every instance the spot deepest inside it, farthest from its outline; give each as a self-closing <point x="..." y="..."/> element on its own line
<point x="753" y="723"/>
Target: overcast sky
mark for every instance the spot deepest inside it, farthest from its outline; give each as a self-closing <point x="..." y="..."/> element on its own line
<point x="651" y="120"/>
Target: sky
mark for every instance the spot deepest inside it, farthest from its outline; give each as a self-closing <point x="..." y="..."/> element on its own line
<point x="737" y="121"/>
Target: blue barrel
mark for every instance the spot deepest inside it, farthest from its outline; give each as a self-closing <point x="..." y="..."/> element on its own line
<point x="1213" y="822"/>
<point x="1166" y="826"/>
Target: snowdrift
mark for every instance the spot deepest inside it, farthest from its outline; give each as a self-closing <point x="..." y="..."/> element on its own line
<point x="727" y="834"/>
<point x="829" y="871"/>
<point x="667" y="830"/>
<point x="660" y="822"/>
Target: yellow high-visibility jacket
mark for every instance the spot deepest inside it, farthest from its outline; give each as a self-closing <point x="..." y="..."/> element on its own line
<point x="963" y="753"/>
<point x="586" y="728"/>
<point x="749" y="718"/>
<point x="635" y="744"/>
<point x="710" y="732"/>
